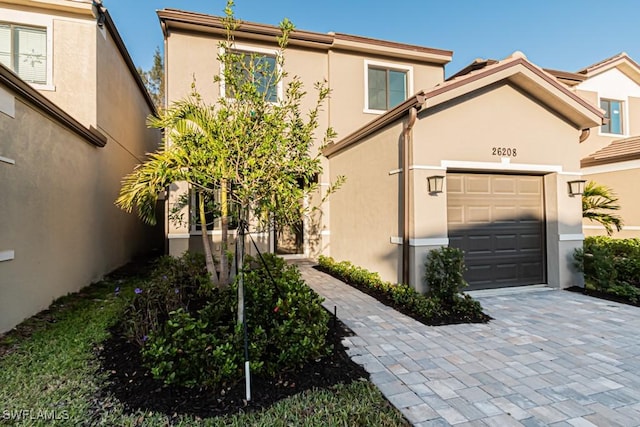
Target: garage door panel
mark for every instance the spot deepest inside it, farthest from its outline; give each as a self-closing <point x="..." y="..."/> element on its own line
<point x="531" y="186"/>
<point x="478" y="215"/>
<point x="531" y="242"/>
<point x="479" y="244"/>
<point x="504" y="186"/>
<point x="531" y="270"/>
<point x="455" y="215"/>
<point x="506" y="243"/>
<point x="505" y="214"/>
<point x="506" y="271"/>
<point x="454" y="185"/>
<point x="498" y="220"/>
<point x="477" y="185"/>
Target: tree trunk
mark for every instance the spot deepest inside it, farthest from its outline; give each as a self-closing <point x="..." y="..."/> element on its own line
<point x="206" y="243"/>
<point x="224" y="224"/>
<point x="240" y="260"/>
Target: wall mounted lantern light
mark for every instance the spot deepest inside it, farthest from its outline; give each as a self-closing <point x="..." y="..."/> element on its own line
<point x="576" y="188"/>
<point x="435" y="183"/>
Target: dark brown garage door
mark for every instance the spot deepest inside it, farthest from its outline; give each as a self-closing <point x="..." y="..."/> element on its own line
<point x="498" y="220"/>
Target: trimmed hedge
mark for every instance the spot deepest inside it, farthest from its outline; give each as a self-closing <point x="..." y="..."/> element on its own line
<point x="611" y="266"/>
<point x="446" y="305"/>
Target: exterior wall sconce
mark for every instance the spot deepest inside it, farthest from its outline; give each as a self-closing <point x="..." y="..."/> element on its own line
<point x="435" y="183"/>
<point x="576" y="188"/>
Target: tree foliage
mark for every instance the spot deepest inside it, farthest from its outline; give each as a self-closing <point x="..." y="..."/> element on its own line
<point x="153" y="80"/>
<point x="243" y="140"/>
<point x="599" y="204"/>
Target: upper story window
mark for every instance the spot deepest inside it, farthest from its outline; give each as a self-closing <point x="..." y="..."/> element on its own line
<point x="386" y="85"/>
<point x="24" y="50"/>
<point x="258" y="67"/>
<point x="613" y="112"/>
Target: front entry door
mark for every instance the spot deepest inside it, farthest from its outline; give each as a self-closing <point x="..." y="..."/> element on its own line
<point x="290" y="240"/>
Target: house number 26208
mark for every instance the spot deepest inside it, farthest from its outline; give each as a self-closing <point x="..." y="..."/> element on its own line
<point x="504" y="152"/>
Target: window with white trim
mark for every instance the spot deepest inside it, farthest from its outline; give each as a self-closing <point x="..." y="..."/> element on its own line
<point x="258" y="67"/>
<point x="23" y="49"/>
<point x="613" y="112"/>
<point x="386" y="85"/>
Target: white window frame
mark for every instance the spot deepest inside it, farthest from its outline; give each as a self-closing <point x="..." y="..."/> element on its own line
<point x="624" y="113"/>
<point x="408" y="69"/>
<point x="30" y="19"/>
<point x="252" y="50"/>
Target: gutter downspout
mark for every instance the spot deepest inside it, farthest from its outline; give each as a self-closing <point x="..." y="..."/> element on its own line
<point x="584" y="134"/>
<point x="406" y="159"/>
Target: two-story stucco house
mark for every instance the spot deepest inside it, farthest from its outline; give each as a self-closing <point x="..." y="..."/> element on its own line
<point x="481" y="161"/>
<point x="366" y="76"/>
<point x="72" y="124"/>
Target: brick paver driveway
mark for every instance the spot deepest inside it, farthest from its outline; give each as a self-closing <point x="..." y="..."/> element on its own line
<point x="548" y="358"/>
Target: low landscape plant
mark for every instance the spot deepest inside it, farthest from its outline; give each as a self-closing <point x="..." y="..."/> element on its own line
<point x="188" y="332"/>
<point x="611" y="266"/>
<point x="443" y="303"/>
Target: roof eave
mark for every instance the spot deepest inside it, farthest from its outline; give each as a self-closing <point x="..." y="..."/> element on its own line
<point x="174" y="19"/>
<point x="190" y="21"/>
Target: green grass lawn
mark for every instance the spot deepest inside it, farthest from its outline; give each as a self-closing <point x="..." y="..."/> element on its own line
<point x="49" y="376"/>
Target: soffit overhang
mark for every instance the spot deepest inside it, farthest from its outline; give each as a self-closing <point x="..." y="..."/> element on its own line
<point x="180" y="20"/>
<point x="77" y="7"/>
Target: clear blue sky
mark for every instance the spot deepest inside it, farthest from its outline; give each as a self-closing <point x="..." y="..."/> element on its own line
<point x="561" y="34"/>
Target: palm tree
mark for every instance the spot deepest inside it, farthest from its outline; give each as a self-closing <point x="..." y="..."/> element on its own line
<point x="194" y="155"/>
<point x="598" y="204"/>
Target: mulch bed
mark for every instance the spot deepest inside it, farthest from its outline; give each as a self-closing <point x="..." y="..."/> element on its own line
<point x="385" y="299"/>
<point x="602" y="295"/>
<point x="133" y="385"/>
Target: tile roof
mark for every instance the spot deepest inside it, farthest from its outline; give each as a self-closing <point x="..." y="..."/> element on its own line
<point x="603" y="62"/>
<point x="618" y="151"/>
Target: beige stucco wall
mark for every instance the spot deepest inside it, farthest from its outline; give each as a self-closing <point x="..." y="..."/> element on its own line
<point x="624" y="184"/>
<point x="74" y="68"/>
<point x="364" y="212"/>
<point x="499" y="116"/>
<point x="347" y="78"/>
<point x="57" y="213"/>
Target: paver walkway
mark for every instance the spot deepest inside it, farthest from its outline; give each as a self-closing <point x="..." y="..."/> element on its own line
<point x="548" y="358"/>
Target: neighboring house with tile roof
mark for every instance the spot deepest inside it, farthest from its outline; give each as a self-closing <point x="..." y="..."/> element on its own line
<point x="72" y="124"/>
<point x="611" y="153"/>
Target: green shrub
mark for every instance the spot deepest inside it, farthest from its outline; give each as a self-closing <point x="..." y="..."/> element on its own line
<point x="444" y="270"/>
<point x="190" y="337"/>
<point x="175" y="283"/>
<point x="187" y="351"/>
<point x="288" y="318"/>
<point x="608" y="262"/>
<point x="445" y="304"/>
